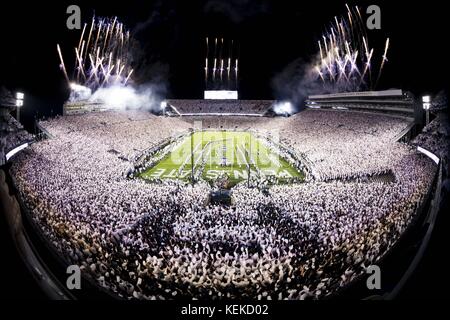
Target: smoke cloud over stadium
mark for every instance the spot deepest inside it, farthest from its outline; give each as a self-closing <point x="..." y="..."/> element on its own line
<point x="284" y="108"/>
<point x="123" y="98"/>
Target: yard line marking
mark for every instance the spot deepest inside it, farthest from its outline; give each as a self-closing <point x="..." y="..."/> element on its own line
<point x="189" y="157"/>
<point x="243" y="156"/>
<point x="275" y="160"/>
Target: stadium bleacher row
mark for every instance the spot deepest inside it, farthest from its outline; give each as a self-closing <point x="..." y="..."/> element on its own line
<point x="389" y="101"/>
<point x="231" y="107"/>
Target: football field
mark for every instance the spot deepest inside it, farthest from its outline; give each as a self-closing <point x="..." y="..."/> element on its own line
<point x="214" y="153"/>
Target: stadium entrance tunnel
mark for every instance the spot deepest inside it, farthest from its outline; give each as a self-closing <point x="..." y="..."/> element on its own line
<point x="221" y="158"/>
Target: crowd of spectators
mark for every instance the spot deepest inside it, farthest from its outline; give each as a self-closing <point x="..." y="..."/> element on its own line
<point x="165" y="241"/>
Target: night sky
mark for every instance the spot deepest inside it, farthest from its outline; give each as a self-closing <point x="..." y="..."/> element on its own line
<point x="271" y="35"/>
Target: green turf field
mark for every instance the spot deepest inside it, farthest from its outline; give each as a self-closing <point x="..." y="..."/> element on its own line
<point x="219" y="152"/>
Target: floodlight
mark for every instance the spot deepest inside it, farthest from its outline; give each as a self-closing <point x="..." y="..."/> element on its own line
<point x="20" y="96"/>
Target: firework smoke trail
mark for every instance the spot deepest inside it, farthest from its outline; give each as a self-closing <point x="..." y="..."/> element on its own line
<point x="80" y="47"/>
<point x="128" y="77"/>
<point x="386" y="48"/>
<point x="230" y="55"/>
<point x="80" y="65"/>
<point x="206" y="62"/>
<point x="339" y="50"/>
<point x="361" y="31"/>
<point x="229" y="68"/>
<point x="320" y="74"/>
<point x="367" y="66"/>
<point x="63" y="66"/>
<point x="236" y="71"/>
<point x="215" y="59"/>
<point x="350" y="19"/>
<point x="101" y="56"/>
<point x="99" y="30"/>
<point x="89" y="40"/>
<point x="221" y="60"/>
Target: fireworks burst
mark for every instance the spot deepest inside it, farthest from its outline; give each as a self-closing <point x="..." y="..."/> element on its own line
<point x="223" y="71"/>
<point x="345" y="57"/>
<point x="102" y="57"/>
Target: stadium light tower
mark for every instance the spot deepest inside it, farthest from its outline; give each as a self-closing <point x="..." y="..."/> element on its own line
<point x="426" y="102"/>
<point x="20" y="96"/>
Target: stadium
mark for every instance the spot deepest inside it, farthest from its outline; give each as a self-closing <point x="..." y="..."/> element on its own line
<point x="225" y="198"/>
